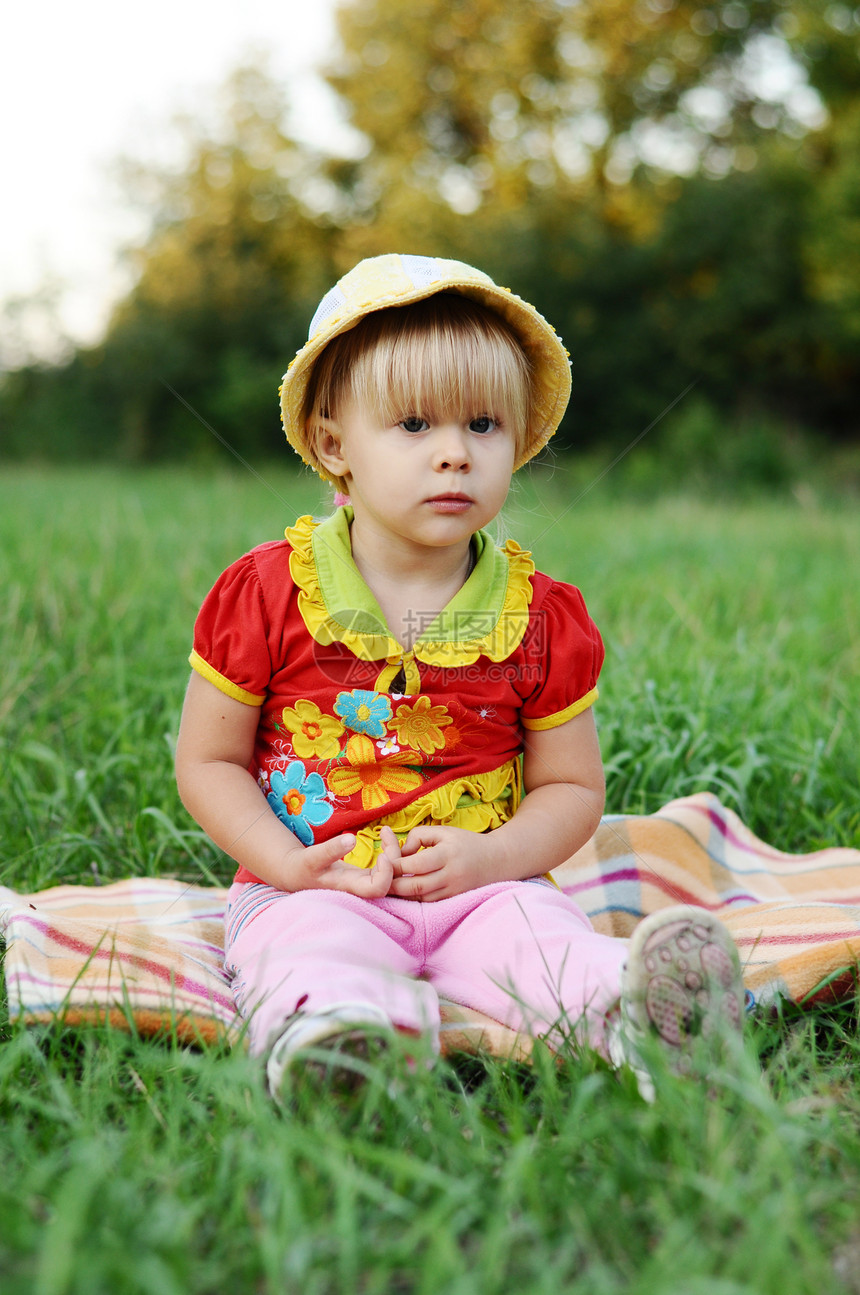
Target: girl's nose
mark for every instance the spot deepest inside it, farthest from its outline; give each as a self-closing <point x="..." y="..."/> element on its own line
<point x="451" y="452"/>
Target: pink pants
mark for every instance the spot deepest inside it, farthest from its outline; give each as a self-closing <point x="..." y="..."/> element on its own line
<point x="521" y="952"/>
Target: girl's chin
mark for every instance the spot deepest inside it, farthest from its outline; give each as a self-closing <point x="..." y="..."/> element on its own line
<point x="432" y="528"/>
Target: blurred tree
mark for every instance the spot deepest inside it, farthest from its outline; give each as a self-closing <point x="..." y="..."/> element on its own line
<point x="672" y="182"/>
<point x="467" y="102"/>
<point x="826" y="39"/>
<point x="632" y="168"/>
<point x="224" y="281"/>
<point x="230" y="272"/>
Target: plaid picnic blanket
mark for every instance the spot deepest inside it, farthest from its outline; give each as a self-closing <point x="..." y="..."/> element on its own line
<point x="147" y="953"/>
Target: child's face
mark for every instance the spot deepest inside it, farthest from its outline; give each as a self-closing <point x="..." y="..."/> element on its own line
<point x="431" y="482"/>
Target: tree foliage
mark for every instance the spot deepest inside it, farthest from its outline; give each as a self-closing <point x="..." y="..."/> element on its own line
<point x="471" y="102"/>
<point x="662" y="178"/>
<point x="674" y="183"/>
<point x="827" y="41"/>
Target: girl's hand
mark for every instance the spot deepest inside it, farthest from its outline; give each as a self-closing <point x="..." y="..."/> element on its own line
<point x="438" y="862"/>
<point x="322" y="867"/>
<point x="214" y="750"/>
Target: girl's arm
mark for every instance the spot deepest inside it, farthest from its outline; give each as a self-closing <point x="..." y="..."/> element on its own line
<point x="213" y="752"/>
<point x="565" y="790"/>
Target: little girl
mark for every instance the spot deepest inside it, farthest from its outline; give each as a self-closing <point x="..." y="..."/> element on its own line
<point x="389" y="722"/>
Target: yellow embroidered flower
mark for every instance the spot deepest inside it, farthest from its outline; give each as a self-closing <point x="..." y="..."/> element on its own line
<point x="420" y="726"/>
<point x="376" y="780"/>
<point x="313" y="733"/>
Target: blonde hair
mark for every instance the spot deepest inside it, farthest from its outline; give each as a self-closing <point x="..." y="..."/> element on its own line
<point x="443" y="357"/>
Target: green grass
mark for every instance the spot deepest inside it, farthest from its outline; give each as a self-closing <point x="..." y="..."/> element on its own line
<point x="136" y="1165"/>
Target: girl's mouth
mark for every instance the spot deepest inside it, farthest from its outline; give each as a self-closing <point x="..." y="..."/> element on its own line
<point x="450" y="503"/>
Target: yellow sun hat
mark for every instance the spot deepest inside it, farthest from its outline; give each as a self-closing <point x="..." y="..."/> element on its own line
<point x="398" y="280"/>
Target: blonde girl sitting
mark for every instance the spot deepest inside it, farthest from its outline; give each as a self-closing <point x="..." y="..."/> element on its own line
<point x="389" y="722"/>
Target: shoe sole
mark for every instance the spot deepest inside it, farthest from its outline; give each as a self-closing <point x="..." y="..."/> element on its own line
<point x="683" y="976"/>
<point x="347" y="1056"/>
<point x="327" y="1045"/>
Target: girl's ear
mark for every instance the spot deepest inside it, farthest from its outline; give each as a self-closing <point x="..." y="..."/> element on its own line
<point x="327" y="439"/>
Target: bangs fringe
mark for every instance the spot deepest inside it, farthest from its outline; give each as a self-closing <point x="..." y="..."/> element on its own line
<point x="445" y="357"/>
<point x="441" y="374"/>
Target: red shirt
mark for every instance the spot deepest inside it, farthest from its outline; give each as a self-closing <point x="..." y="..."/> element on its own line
<point x="355" y="731"/>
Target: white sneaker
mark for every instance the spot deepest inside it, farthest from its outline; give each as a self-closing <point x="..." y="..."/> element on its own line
<point x="344" y="1028"/>
<point x="681" y="983"/>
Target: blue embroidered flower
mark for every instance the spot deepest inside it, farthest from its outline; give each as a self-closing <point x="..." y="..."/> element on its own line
<point x="298" y="799"/>
<point x="364" y="712"/>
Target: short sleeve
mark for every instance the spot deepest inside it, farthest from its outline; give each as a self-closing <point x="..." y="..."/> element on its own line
<point x="564" y="654"/>
<point x="231" y="646"/>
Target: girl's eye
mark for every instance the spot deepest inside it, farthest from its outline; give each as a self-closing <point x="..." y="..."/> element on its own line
<point x="414" y="424"/>
<point x="482" y="424"/>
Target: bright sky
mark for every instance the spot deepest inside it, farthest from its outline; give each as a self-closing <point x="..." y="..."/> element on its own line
<point x="82" y="83"/>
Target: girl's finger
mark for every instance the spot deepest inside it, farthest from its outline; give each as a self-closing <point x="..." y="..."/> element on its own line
<point x="389" y="840"/>
<point x="423" y="862"/>
<point x="380" y="877"/>
<point x="423" y="888"/>
<point x="390" y="851"/>
<point x="322" y="856"/>
<point x="420" y="838"/>
<point x="369" y="883"/>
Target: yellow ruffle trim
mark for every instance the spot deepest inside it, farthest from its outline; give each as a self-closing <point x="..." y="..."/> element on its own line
<point x="508" y="632"/>
<point x="477" y="804"/>
<point x="321" y="626"/>
<point x="498" y="644"/>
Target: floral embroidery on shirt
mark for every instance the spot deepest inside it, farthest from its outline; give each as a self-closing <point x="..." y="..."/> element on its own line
<point x="375" y="780"/>
<point x="298" y="799"/>
<point x="363" y="711"/>
<point x="314" y="734"/>
<point x="421" y="725"/>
